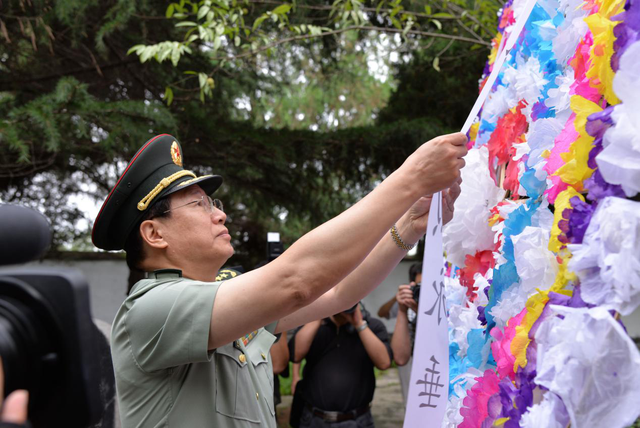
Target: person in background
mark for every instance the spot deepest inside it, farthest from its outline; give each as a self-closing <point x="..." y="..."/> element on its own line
<point x="404" y="332"/>
<point x="338" y="377"/>
<point x="389" y="310"/>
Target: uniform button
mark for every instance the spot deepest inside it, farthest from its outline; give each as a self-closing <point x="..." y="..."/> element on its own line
<point x="264" y="357"/>
<point x="242" y="358"/>
<point x="257" y="396"/>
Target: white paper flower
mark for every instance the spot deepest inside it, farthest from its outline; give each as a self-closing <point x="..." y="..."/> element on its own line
<point x="511" y="302"/>
<point x="469" y="230"/>
<point x="619" y="162"/>
<point x="461" y="321"/>
<point x="549" y="413"/>
<point x="570" y="31"/>
<point x="480" y="283"/>
<point x="526" y="79"/>
<point x="452" y="417"/>
<point x="587" y="359"/>
<point x="455" y="293"/>
<point x="540" y="137"/>
<point x="537" y="266"/>
<point x="559" y="98"/>
<point x="608" y="260"/>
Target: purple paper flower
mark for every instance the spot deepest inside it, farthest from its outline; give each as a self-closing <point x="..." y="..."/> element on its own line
<point x="597" y="125"/>
<point x="513" y="399"/>
<point x="579" y="218"/>
<point x="481" y="315"/>
<point x="626" y="32"/>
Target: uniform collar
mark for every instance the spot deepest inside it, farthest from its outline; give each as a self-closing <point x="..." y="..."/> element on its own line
<point x="164" y="273"/>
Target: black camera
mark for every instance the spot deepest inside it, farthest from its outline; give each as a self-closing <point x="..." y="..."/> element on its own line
<point x="415" y="289"/>
<point x="48" y="341"/>
<point x="351" y="309"/>
<point x="274" y="246"/>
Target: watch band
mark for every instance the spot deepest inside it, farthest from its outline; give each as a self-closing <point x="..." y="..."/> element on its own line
<point x="362" y="326"/>
<point x="398" y="240"/>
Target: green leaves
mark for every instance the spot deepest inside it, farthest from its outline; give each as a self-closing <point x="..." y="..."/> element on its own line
<point x="282" y="9"/>
<point x="227" y="30"/>
<point x="168" y="95"/>
<point x="206" y="86"/>
<point x="436" y="63"/>
<point x="170" y="10"/>
<point x="161" y="52"/>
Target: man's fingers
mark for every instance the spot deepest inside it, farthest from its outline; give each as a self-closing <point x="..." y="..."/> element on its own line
<point x="458" y="139"/>
<point x="454" y="191"/>
<point x="15" y="407"/>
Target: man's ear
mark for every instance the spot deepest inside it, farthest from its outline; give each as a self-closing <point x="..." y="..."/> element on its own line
<point x="151" y="232"/>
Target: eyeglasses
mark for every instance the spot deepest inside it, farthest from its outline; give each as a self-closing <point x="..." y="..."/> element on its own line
<point x="205" y="202"/>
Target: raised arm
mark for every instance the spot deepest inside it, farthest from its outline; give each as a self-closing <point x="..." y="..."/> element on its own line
<point x="301" y="342"/>
<point x="376" y="347"/>
<point x="376" y="267"/>
<point x="401" y="338"/>
<point x="326" y="255"/>
<point x="385" y="310"/>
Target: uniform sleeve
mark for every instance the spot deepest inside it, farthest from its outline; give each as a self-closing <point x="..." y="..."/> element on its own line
<point x="169" y="325"/>
<point x="378" y="328"/>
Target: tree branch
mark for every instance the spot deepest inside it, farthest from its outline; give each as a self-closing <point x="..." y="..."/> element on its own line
<point x="353" y="27"/>
<point x="71" y="72"/>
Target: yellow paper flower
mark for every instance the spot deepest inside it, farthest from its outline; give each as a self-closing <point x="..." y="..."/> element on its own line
<point x="576" y="168"/>
<point x="535" y="306"/>
<point x="562" y="202"/>
<point x="600" y="71"/>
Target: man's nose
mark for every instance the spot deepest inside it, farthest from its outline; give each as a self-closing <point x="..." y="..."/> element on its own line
<point x="218" y="216"/>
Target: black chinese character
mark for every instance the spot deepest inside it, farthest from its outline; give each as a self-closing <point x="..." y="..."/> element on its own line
<point x="430" y="385"/>
<point x="439" y="204"/>
<point x="440" y="301"/>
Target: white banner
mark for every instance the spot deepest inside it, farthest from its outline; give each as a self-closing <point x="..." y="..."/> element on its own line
<point x="429" y="386"/>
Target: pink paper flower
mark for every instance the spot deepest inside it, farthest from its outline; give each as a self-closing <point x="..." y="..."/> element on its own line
<point x="475" y="409"/>
<point x="501" y="348"/>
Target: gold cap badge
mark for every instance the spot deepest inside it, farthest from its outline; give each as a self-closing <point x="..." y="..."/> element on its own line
<point x="176" y="156"/>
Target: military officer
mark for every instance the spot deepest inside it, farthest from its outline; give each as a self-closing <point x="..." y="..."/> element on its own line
<point x="190" y="351"/>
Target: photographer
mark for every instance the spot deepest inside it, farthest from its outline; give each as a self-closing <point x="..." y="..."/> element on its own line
<point x="192" y="352"/>
<point x="404" y="332"/>
<point x="338" y="379"/>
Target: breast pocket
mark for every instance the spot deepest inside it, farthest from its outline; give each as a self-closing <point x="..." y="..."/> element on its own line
<point x="235" y="397"/>
<point x="258" y="351"/>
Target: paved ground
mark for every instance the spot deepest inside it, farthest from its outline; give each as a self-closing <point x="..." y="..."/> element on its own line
<point x="388" y="409"/>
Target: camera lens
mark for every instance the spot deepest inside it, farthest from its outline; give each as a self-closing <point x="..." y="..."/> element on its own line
<point x="26" y="340"/>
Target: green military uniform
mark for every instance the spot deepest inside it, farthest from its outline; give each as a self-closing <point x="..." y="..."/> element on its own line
<point x="165" y="374"/>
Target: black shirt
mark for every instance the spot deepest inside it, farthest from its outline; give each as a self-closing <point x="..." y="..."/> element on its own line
<point x="340" y="378"/>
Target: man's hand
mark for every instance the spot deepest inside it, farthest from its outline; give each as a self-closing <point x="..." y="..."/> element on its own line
<point x="404" y="296"/>
<point x="448" y="201"/>
<point x="437" y="163"/>
<point x="354" y="318"/>
<point x="418" y="214"/>
<point x="14" y="408"/>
